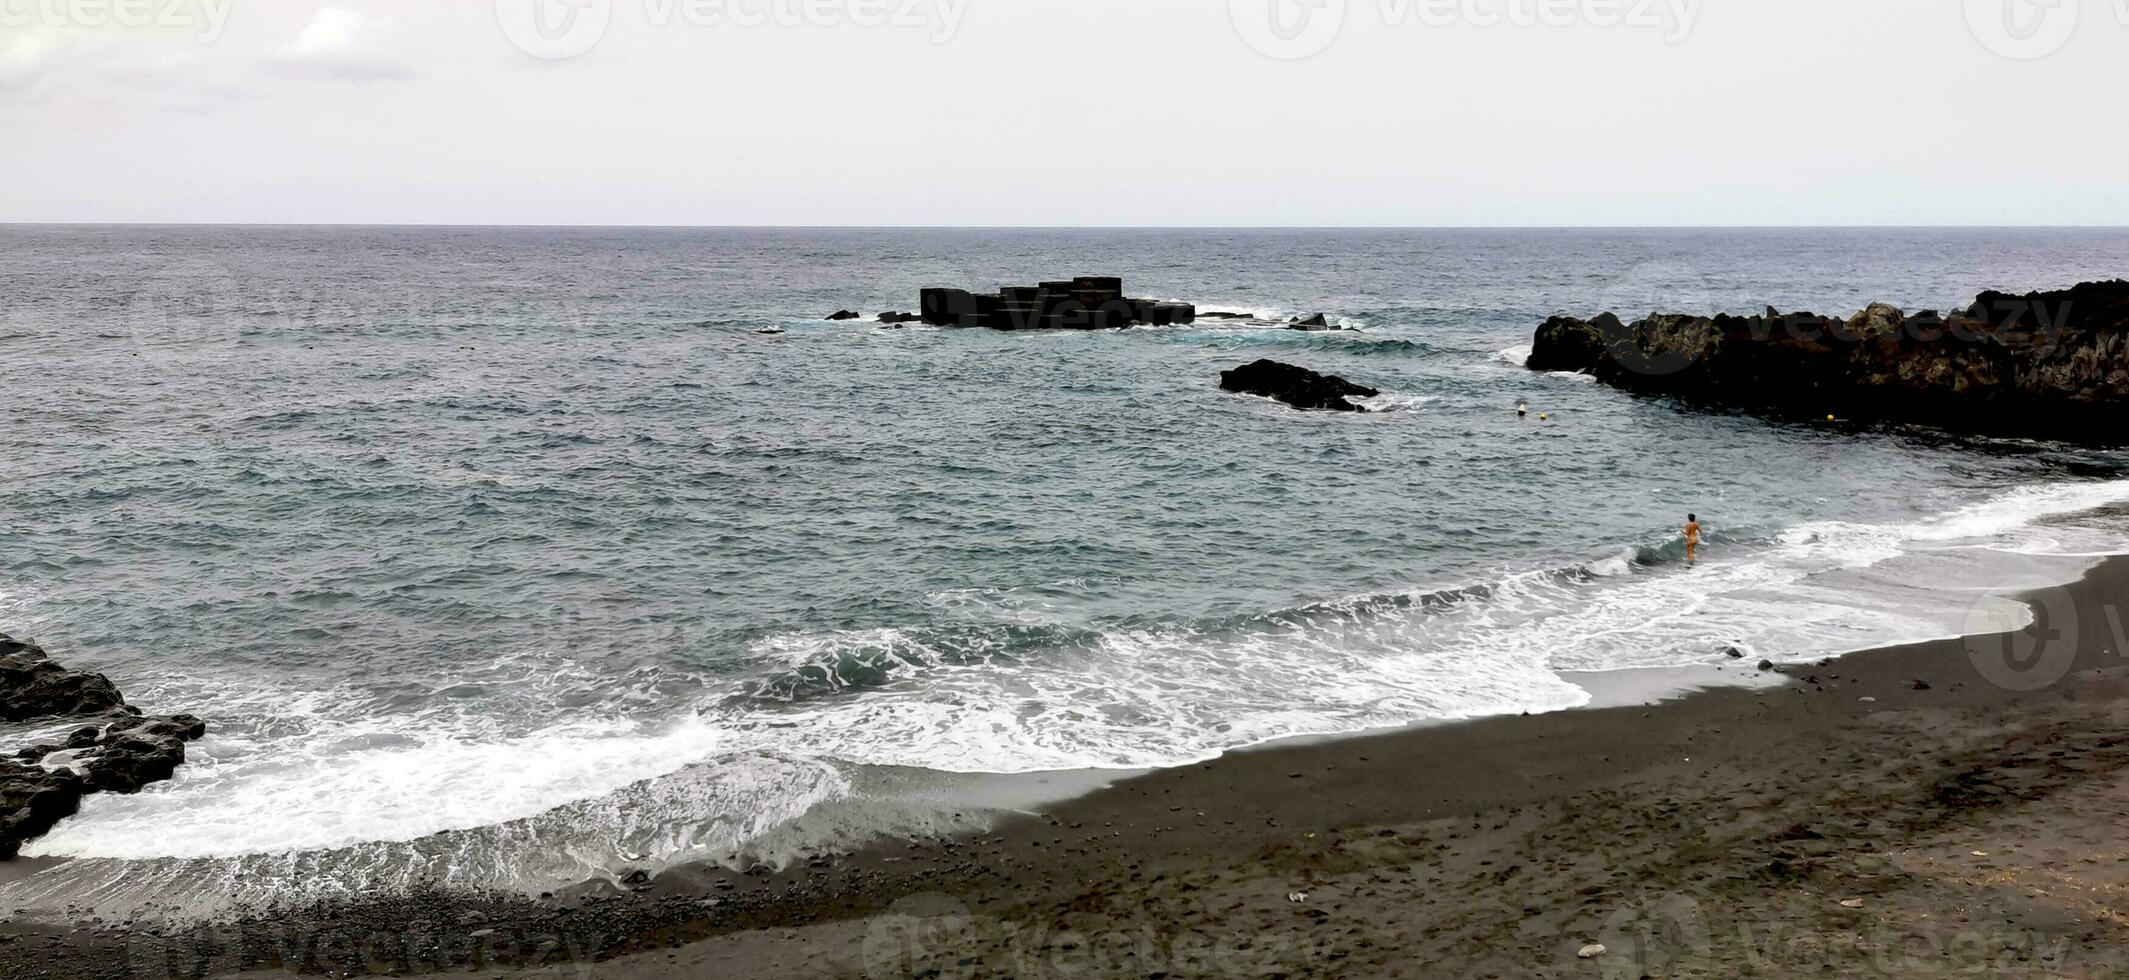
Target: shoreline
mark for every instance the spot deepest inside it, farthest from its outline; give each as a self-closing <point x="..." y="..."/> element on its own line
<point x="1960" y="813"/>
<point x="2001" y="510"/>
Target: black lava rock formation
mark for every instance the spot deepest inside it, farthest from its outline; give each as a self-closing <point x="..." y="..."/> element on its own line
<point x="2051" y="364"/>
<point x="1085" y="303"/>
<point x="1296" y="386"/>
<point x="121" y="752"/>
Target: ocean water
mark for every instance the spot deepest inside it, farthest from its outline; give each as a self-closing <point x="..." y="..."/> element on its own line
<point x="504" y="557"/>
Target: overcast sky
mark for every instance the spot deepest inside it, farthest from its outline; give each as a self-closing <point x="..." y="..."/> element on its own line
<point x="1066" y="112"/>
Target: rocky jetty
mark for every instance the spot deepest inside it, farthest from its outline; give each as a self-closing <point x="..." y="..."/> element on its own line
<point x="1085" y="303"/>
<point x="117" y="749"/>
<point x="1296" y="386"/>
<point x="2052" y="364"/>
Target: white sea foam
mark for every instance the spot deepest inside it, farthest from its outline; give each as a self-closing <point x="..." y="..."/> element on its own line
<point x="326" y="777"/>
<point x="2022" y="507"/>
<point x="1150" y="697"/>
<point x="314" y="779"/>
<point x="1518" y="355"/>
<point x="1265" y="313"/>
<point x="1262" y="316"/>
<point x="1391" y="401"/>
<point x="707" y="812"/>
<point x="1173" y="695"/>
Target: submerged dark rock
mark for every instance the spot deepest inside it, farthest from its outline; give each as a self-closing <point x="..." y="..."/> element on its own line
<point x="2051" y="364"/>
<point x="843" y="315"/>
<point x="1296" y="386"/>
<point x="893" y="317"/>
<point x="122" y="752"/>
<point x="1312" y="324"/>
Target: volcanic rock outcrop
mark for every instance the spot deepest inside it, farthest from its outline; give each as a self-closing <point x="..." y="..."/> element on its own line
<point x="1296" y="386"/>
<point x="32" y="686"/>
<point x="1085" y="303"/>
<point x="117" y="749"/>
<point x="2053" y="364"/>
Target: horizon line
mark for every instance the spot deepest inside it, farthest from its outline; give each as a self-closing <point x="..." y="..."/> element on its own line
<point x="947" y="227"/>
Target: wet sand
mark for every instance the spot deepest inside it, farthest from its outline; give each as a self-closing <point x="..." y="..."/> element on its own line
<point x="1947" y="808"/>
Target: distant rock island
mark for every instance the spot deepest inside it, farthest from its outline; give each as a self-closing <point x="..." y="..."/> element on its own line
<point x="2052" y="364"/>
<point x="1085" y="303"/>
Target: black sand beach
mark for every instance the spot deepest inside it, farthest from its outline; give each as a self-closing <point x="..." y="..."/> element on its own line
<point x="1902" y="812"/>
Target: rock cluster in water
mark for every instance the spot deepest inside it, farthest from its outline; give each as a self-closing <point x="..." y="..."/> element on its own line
<point x="2046" y="363"/>
<point x="1296" y="386"/>
<point x="1315" y="324"/>
<point x="1085" y="303"/>
<point x="119" y="750"/>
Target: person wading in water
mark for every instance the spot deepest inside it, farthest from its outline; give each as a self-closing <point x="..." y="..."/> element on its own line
<point x="1692" y="538"/>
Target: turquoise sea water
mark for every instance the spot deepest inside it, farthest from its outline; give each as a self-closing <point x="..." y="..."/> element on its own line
<point x="523" y="548"/>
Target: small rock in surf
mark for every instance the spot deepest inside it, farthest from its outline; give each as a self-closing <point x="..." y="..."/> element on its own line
<point x="1296" y="386"/>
